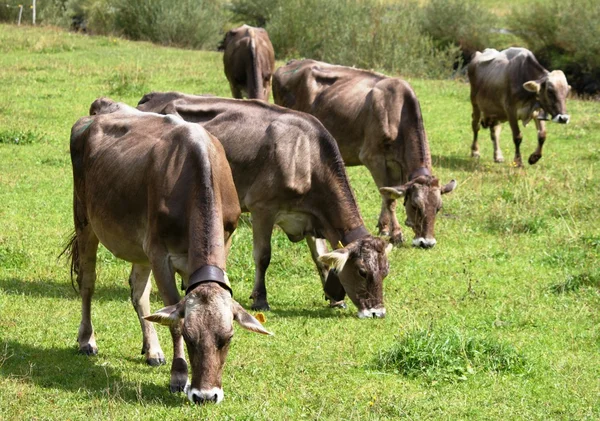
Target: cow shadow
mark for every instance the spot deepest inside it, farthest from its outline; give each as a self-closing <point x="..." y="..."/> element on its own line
<point x="50" y="288"/>
<point x="456" y="162"/>
<point x="65" y="369"/>
<point x="314" y="313"/>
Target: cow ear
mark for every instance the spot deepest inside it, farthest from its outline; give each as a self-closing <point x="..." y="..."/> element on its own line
<point x="168" y="315"/>
<point x="449" y="187"/>
<point x="393" y="192"/>
<point x="246" y="320"/>
<point x="532" y="86"/>
<point x="336" y="259"/>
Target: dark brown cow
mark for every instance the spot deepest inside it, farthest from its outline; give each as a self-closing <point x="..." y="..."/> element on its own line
<point x="511" y="85"/>
<point x="158" y="192"/>
<point x="249" y="62"/>
<point x="376" y="121"/>
<point x="288" y="171"/>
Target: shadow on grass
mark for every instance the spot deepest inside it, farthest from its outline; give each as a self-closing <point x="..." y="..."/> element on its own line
<point x="454" y="162"/>
<point x="65" y="369"/>
<point x="314" y="313"/>
<point x="50" y="288"/>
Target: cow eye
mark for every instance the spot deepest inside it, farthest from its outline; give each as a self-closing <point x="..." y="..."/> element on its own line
<point x="362" y="273"/>
<point x="223" y="341"/>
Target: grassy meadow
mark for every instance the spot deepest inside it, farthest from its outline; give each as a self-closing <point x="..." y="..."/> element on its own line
<point x="499" y="321"/>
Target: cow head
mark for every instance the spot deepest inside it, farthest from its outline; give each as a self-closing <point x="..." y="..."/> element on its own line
<point x="205" y="316"/>
<point x="422" y="201"/>
<point x="361" y="267"/>
<point x="551" y="92"/>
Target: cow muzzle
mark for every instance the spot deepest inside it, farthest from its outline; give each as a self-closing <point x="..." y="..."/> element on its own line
<point x="372" y="313"/>
<point x="561" y="118"/>
<point x="214" y="395"/>
<point x="425" y="243"/>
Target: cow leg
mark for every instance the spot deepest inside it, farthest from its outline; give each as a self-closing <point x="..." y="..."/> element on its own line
<point x="318" y="247"/>
<point x="139" y="282"/>
<point x="541" y="131"/>
<point x="235" y="91"/>
<point x="475" y="125"/>
<point x="495" y="136"/>
<point x="87" y="246"/>
<point x="517" y="139"/>
<point x="378" y="167"/>
<point x="165" y="281"/>
<point x="262" y="229"/>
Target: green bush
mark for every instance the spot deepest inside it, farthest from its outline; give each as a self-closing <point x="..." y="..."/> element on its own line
<point x="564" y="35"/>
<point x="253" y="12"/>
<point x="366" y="34"/>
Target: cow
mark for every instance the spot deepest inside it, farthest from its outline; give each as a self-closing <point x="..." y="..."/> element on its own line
<point x="158" y="192"/>
<point x="511" y="85"/>
<point x="376" y="121"/>
<point x="288" y="172"/>
<point x="249" y="62"/>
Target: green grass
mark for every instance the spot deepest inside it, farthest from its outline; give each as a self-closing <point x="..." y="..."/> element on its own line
<point x="515" y="272"/>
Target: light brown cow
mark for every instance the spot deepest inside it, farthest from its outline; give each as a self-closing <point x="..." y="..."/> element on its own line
<point x="511" y="85"/>
<point x="376" y="121"/>
<point x="249" y="62"/>
<point x="158" y="192"/>
<point x="288" y="171"/>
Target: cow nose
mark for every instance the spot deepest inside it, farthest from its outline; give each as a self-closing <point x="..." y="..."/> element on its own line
<point x="214" y="395"/>
<point x="425" y="243"/>
<point x="562" y="118"/>
<point x="375" y="313"/>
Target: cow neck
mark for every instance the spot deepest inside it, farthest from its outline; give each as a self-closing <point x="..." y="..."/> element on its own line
<point x="206" y="274"/>
<point x="419" y="172"/>
<point x="352" y="235"/>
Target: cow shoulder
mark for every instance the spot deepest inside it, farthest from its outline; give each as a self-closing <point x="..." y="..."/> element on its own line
<point x="391" y="100"/>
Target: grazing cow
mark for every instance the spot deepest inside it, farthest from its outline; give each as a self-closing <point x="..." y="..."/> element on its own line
<point x="288" y="171"/>
<point x="158" y="192"/>
<point x="377" y="122"/>
<point x="249" y="62"/>
<point x="511" y="85"/>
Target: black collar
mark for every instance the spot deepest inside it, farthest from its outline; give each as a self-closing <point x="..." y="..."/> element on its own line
<point x="354" y="234"/>
<point x="205" y="274"/>
<point x="419" y="172"/>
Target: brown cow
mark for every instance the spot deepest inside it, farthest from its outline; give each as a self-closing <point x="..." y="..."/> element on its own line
<point x="377" y="122"/>
<point x="249" y="62"/>
<point x="158" y="192"/>
<point x="288" y="171"/>
<point x="511" y="85"/>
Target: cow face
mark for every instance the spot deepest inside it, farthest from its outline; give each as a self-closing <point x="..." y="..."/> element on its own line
<point x="361" y="267"/>
<point x="552" y="94"/>
<point x="422" y="201"/>
<point x="205" y="317"/>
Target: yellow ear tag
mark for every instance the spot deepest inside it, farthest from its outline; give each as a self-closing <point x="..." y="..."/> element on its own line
<point x="340" y="245"/>
<point x="260" y="317"/>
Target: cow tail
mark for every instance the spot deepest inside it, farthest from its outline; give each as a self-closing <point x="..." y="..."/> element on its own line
<point x="71" y="250"/>
<point x="256" y="77"/>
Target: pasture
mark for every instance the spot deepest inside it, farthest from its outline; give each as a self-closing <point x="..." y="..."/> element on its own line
<point x="499" y="321"/>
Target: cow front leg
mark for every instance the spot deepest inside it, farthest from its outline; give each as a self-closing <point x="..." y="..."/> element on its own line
<point x="495" y="136"/>
<point x="235" y="91"/>
<point x="329" y="278"/>
<point x="377" y="165"/>
<point x="475" y="125"/>
<point x="517" y="139"/>
<point x="541" y="132"/>
<point x="165" y="281"/>
<point x="262" y="229"/>
<point x="87" y="246"/>
<point x="139" y="282"/>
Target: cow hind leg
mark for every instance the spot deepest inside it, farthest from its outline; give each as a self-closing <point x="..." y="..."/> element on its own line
<point x="541" y="132"/>
<point x="139" y="282"/>
<point x="262" y="229"/>
<point x="517" y="139"/>
<point x="495" y="130"/>
<point x="87" y="246"/>
<point x="475" y="125"/>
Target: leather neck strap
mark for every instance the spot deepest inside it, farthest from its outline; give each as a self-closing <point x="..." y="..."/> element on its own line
<point x="419" y="172"/>
<point x="205" y="274"/>
<point x="354" y="234"/>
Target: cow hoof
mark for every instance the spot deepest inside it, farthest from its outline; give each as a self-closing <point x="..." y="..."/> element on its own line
<point x="397" y="238"/>
<point x="179" y="375"/>
<point x="499" y="160"/>
<point x="338" y="304"/>
<point x="260" y="305"/>
<point x="474" y="154"/>
<point x="533" y="158"/>
<point x="156" y="362"/>
<point x="88" y="350"/>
